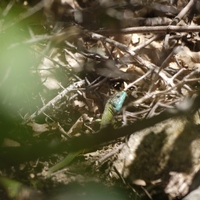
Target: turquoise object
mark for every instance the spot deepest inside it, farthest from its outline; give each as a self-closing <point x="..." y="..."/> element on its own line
<point x="113" y="105"/>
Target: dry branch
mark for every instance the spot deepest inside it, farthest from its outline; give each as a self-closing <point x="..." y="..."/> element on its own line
<point x="52" y="102"/>
<point x="150" y="29"/>
<point x="25" y="153"/>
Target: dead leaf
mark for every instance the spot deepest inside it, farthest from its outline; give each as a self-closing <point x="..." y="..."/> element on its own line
<point x="189" y="58"/>
<point x="10" y="143"/>
<point x="38" y="128"/>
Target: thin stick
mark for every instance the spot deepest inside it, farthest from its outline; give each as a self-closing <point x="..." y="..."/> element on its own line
<point x="54" y="100"/>
<point x="152" y="29"/>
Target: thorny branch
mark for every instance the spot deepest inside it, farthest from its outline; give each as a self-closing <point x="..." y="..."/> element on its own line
<point x="52" y="102"/>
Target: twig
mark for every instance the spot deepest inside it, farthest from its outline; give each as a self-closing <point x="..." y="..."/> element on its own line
<point x="138" y="80"/>
<point x="183" y="12"/>
<point x="26" y="14"/>
<point x="139" y="47"/>
<point x="177" y="19"/>
<point x="152" y="29"/>
<point x="163" y="74"/>
<point x="54" y="100"/>
<point x="156" y="93"/>
<point x="165" y="63"/>
<point x="24" y="153"/>
<point x="130" y="52"/>
<point x="108" y="155"/>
